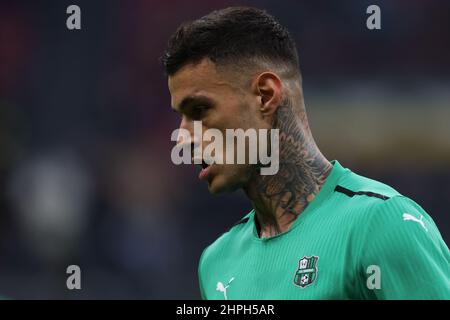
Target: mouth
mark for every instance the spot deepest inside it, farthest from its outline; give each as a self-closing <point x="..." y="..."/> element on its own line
<point x="204" y="172"/>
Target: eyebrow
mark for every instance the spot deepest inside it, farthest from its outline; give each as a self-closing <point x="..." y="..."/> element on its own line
<point x="191" y="100"/>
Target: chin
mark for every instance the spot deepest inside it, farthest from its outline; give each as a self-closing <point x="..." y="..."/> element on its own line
<point x="220" y="184"/>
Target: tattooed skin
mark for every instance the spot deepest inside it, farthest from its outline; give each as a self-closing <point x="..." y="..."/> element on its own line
<point x="279" y="199"/>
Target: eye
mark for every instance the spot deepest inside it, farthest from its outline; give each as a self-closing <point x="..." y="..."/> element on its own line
<point x="199" y="111"/>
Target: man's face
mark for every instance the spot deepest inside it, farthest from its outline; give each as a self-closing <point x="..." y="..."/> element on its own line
<point x="221" y="100"/>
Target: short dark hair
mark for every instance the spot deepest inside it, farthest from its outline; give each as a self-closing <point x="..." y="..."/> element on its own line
<point x="234" y="34"/>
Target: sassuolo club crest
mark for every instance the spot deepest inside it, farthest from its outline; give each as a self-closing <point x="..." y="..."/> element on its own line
<point x="306" y="272"/>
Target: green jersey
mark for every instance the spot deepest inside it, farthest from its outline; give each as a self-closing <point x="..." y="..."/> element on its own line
<point x="357" y="239"/>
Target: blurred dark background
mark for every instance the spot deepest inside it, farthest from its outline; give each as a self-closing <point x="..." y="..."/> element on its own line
<point x="85" y="124"/>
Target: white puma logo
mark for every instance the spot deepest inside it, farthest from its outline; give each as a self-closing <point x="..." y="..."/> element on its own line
<point x="220" y="287"/>
<point x="407" y="216"/>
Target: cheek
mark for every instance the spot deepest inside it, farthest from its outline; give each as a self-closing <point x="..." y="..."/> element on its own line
<point x="244" y="117"/>
<point x="236" y="112"/>
<point x="251" y="116"/>
<point x="222" y="118"/>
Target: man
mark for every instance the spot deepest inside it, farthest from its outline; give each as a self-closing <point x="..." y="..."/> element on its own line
<point x="317" y="230"/>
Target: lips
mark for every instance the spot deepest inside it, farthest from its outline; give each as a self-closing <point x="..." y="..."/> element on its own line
<point x="203" y="175"/>
<point x="205" y="168"/>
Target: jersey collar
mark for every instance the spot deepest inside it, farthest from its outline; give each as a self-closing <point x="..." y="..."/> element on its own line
<point x="327" y="188"/>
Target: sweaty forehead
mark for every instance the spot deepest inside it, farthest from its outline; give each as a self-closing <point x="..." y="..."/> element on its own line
<point x="201" y="78"/>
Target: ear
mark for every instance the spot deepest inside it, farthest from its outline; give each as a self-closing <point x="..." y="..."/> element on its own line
<point x="268" y="87"/>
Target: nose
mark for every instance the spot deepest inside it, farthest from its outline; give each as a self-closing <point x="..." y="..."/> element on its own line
<point x="186" y="124"/>
<point x="194" y="140"/>
<point x="186" y="132"/>
<point x="195" y="130"/>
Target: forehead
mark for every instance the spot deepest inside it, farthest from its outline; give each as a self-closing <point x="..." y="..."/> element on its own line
<point x="202" y="78"/>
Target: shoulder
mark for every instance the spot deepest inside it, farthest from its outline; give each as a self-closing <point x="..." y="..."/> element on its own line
<point x="379" y="213"/>
<point x="353" y="184"/>
<point x="386" y="227"/>
<point x="398" y="230"/>
<point x="403" y="219"/>
<point x="357" y="197"/>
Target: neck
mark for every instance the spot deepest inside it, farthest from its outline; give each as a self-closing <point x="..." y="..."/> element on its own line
<point x="279" y="199"/>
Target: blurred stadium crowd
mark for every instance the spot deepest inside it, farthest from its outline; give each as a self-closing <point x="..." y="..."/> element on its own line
<point x="85" y="170"/>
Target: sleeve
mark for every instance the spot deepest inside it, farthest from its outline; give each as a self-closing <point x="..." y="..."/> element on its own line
<point x="403" y="255"/>
<point x="200" y="282"/>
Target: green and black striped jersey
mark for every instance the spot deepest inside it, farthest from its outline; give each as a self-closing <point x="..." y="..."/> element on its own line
<point x="357" y="239"/>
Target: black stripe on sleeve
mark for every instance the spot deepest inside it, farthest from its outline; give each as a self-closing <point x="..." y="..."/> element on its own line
<point x="351" y="193"/>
